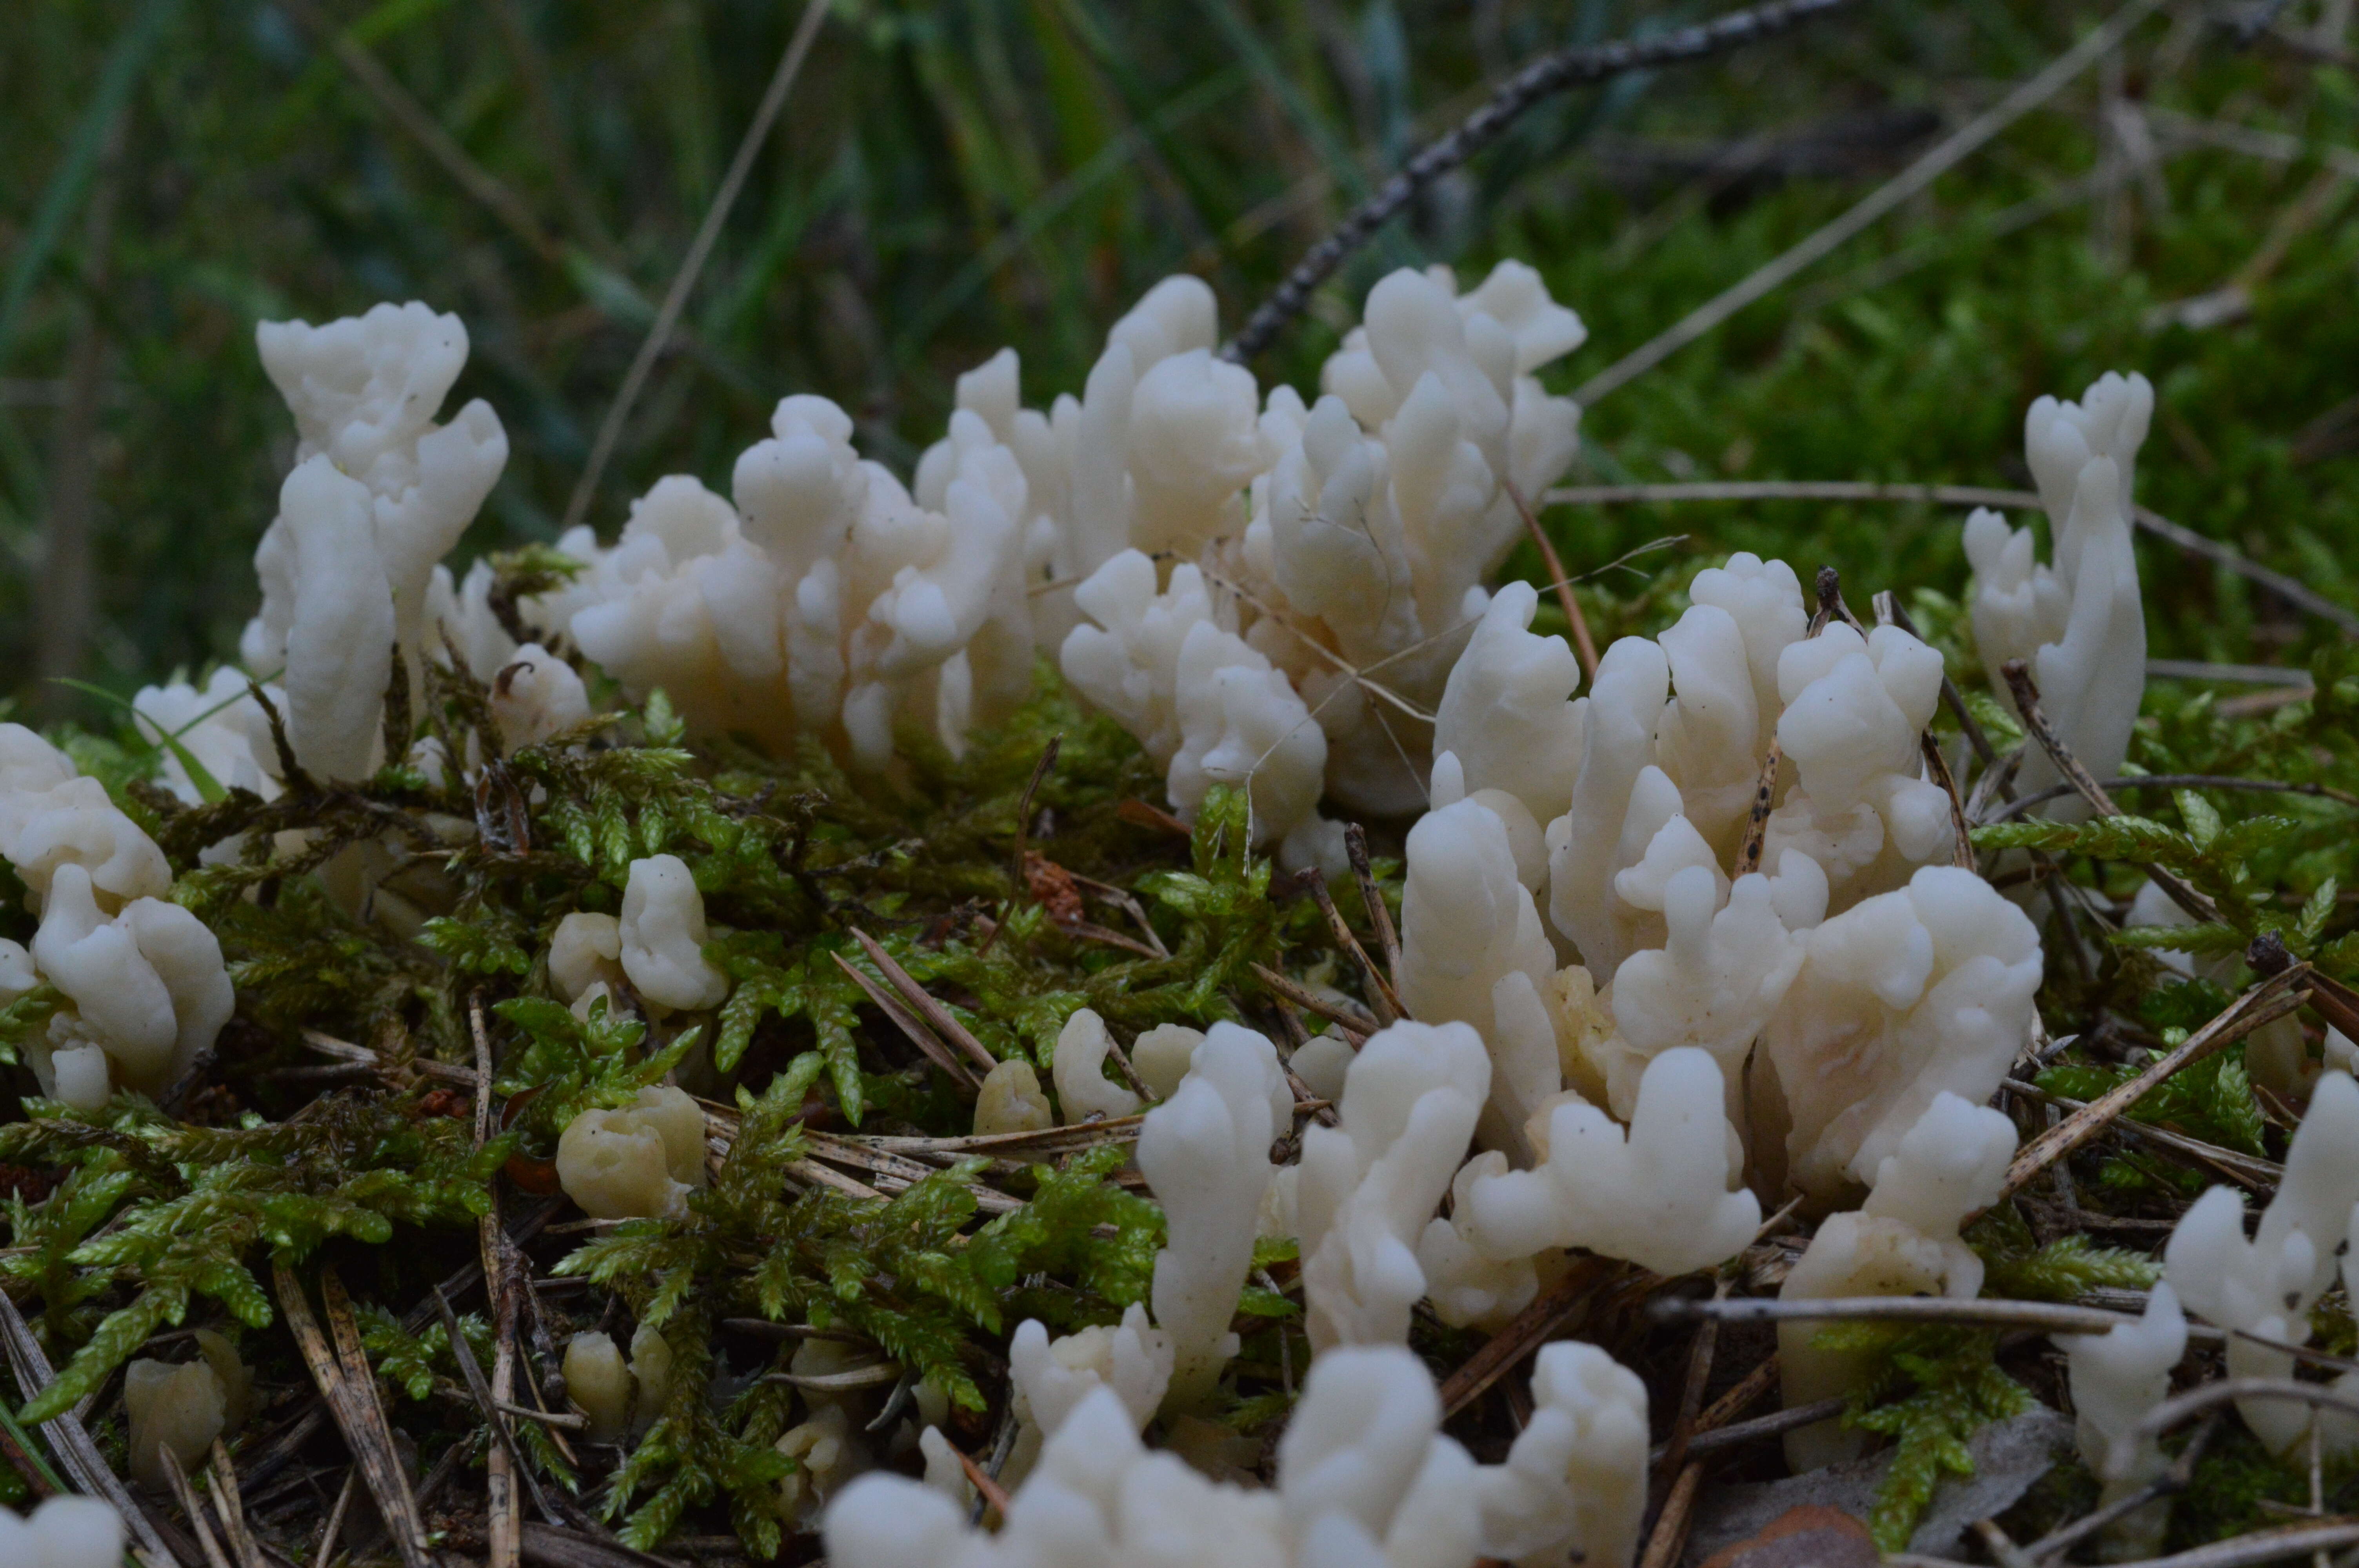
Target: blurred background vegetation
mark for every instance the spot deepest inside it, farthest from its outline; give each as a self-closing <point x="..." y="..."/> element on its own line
<point x="952" y="175"/>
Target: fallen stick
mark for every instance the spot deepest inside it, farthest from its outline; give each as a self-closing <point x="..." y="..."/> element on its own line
<point x="1549" y="74"/>
<point x="926" y="1041"/>
<point x="2035" y="719"/>
<point x="928" y="1005"/>
<point x="2271" y="998"/>
<point x="357" y="1413"/>
<point x="1521" y="1337"/>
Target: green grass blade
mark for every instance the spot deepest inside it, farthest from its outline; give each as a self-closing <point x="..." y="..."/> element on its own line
<point x="209" y="789"/>
<point x="68" y="184"/>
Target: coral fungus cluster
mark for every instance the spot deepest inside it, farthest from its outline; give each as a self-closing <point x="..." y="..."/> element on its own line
<point x="1678" y="943"/>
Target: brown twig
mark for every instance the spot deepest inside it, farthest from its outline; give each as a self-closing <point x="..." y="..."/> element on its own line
<point x="1121" y="1064"/>
<point x="1832" y="607"/>
<point x="1048" y="1142"/>
<point x="1543" y="78"/>
<point x="988" y="1489"/>
<point x="1699" y="1358"/>
<point x="1297" y="1037"/>
<point x="880" y="1375"/>
<point x="504" y="1463"/>
<point x="1104" y="936"/>
<point x="1380" y="916"/>
<point x="1523" y="1335"/>
<point x="2240" y="1551"/>
<point x="1024" y="801"/>
<point x="2027" y="702"/>
<point x="1382" y="1001"/>
<point x="557" y="1421"/>
<point x="1996" y="780"/>
<point x="298" y="1430"/>
<point x="549" y="1391"/>
<point x="1356" y="1025"/>
<point x="1775" y="1424"/>
<point x="1024" y="835"/>
<point x="895" y="1172"/>
<point x="812" y="1174"/>
<point x="231" y="1508"/>
<point x="325" y="1552"/>
<point x="2046" y="1315"/>
<point x="1584" y="647"/>
<point x="350" y="1390"/>
<point x="2270" y="998"/>
<point x="2000" y="1545"/>
<point x="910" y="1025"/>
<point x="2208" y="1396"/>
<point x="1146" y="814"/>
<point x="1962" y="850"/>
<point x="487" y="1405"/>
<point x="2329" y="998"/>
<point x="1672" y="1527"/>
<point x="1106" y="892"/>
<point x="1723" y="1411"/>
<point x="361" y="1055"/>
<point x="2176" y="1478"/>
<point x="549" y="1546"/>
<point x="929" y="1007"/>
<point x="2244" y="1169"/>
<point x="177" y="1481"/>
<point x="1919" y="176"/>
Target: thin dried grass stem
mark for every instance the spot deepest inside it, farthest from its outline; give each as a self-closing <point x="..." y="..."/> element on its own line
<point x="1919" y="176"/>
<point x="691" y="267"/>
<point x="2022" y="803"/>
<point x="2292" y="589"/>
<point x="1583" y="646"/>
